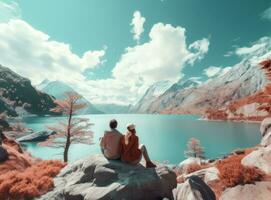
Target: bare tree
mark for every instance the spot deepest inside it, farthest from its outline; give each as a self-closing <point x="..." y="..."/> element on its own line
<point x="194" y="149"/>
<point x="74" y="130"/>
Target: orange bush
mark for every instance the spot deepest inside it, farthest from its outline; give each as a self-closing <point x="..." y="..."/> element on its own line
<point x="193" y="168"/>
<point x="32" y="182"/>
<point x="233" y="173"/>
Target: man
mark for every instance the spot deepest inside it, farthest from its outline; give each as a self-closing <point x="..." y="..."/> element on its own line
<point x="110" y="142"/>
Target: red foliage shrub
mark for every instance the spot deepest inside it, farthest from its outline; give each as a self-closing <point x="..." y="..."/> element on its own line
<point x="193" y="168"/>
<point x="31" y="182"/>
<point x="233" y="173"/>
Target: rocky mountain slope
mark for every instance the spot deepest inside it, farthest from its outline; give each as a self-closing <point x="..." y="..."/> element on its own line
<point x="253" y="107"/>
<point x="243" y="79"/>
<point x="58" y="89"/>
<point x="18" y="94"/>
<point x="151" y="93"/>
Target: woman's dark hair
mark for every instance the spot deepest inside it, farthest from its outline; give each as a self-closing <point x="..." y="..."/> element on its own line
<point x="113" y="123"/>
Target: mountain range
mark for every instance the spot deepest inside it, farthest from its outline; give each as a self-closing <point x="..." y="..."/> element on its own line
<point x="58" y="89"/>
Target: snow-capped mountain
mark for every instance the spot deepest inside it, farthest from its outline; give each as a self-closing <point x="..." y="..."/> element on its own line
<point x="243" y="79"/>
<point x="150" y="95"/>
<point x="58" y="89"/>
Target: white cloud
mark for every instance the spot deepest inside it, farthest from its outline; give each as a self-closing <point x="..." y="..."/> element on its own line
<point x="257" y="51"/>
<point x="32" y="54"/>
<point x="137" y="25"/>
<point x="9" y="10"/>
<point x="212" y="71"/>
<point x="162" y="58"/>
<point x="267" y="14"/>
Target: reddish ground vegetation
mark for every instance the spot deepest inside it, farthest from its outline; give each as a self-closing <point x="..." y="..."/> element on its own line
<point x="232" y="173"/>
<point x="193" y="168"/>
<point x="32" y="182"/>
<point x="24" y="177"/>
<point x="216" y="114"/>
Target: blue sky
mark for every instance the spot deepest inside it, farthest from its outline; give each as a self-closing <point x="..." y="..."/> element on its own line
<point x="111" y="51"/>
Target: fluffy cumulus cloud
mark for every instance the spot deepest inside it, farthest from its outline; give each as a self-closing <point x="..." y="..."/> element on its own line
<point x="161" y="58"/>
<point x="31" y="53"/>
<point x="267" y="14"/>
<point x="137" y="25"/>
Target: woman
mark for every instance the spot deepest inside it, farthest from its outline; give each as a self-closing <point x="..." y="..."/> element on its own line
<point x="131" y="151"/>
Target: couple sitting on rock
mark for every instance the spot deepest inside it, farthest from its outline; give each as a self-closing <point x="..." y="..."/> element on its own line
<point x="125" y="147"/>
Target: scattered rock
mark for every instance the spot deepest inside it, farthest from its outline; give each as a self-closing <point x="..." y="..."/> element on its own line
<point x="193" y="189"/>
<point x="257" y="191"/>
<point x="260" y="158"/>
<point x="266" y="140"/>
<point x="98" y="178"/>
<point x="207" y="175"/>
<point x="36" y="137"/>
<point x="183" y="166"/>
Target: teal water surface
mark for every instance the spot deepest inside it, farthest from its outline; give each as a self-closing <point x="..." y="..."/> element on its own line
<point x="165" y="136"/>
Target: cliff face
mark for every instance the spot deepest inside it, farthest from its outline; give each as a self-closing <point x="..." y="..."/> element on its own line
<point x="17" y="92"/>
<point x="244" y="79"/>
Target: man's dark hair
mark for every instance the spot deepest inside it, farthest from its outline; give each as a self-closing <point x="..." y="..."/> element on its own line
<point x="113" y="123"/>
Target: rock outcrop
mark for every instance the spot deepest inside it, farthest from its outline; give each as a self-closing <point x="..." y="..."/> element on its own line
<point x="257" y="191"/>
<point x="98" y="178"/>
<point x="260" y="158"/>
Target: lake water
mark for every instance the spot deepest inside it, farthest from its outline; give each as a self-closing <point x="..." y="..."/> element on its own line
<point x="164" y="135"/>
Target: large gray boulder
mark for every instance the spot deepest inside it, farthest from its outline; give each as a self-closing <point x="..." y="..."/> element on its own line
<point x="98" y="178"/>
<point x="257" y="191"/>
<point x="260" y="158"/>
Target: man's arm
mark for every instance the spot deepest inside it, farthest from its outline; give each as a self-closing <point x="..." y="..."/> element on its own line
<point x="102" y="142"/>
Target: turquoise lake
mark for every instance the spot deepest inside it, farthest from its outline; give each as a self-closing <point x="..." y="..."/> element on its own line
<point x="165" y="136"/>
